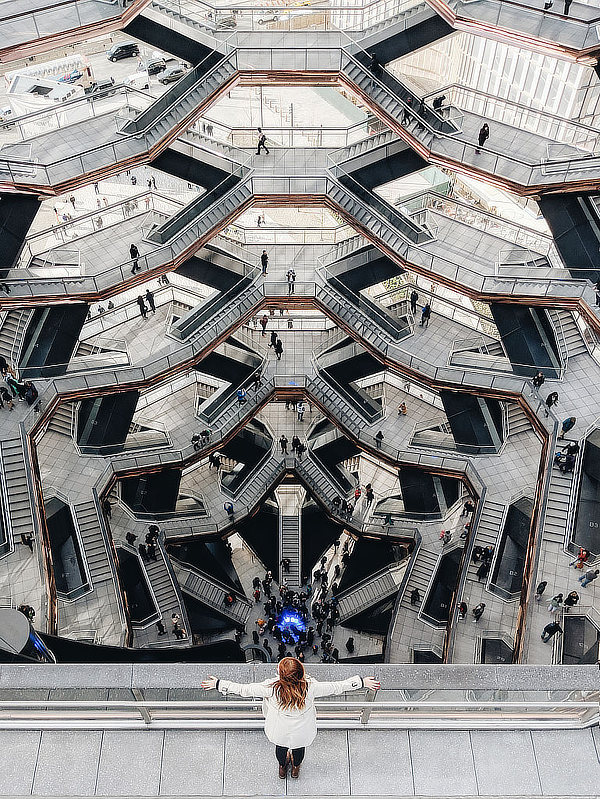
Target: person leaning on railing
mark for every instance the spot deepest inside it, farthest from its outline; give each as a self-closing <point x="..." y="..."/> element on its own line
<point x="289" y="707"/>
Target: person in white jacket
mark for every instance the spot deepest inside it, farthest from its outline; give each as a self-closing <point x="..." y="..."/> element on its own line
<point x="289" y="707"/>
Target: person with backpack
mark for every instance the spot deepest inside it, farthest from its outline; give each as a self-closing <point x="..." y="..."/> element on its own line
<point x="425" y="315"/>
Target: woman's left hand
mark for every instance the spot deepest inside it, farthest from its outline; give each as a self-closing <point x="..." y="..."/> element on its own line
<point x="209" y="684"/>
<point x="372" y="683"/>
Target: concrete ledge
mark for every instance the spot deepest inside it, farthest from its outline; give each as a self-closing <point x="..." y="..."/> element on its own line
<point x="157" y="676"/>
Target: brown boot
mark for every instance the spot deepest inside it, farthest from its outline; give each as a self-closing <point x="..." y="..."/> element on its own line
<point x="295" y="771"/>
<point x="283" y="769"/>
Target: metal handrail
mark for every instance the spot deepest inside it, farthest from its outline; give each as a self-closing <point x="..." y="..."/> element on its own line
<point x="543" y="115"/>
<point x="342" y="713"/>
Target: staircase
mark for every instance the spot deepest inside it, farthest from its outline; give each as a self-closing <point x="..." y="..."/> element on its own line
<point x="93" y="541"/>
<point x="318" y="480"/>
<point x="290" y="500"/>
<point x="364" y="146"/>
<point x="211" y="593"/>
<point x="388" y="26"/>
<point x="289" y="534"/>
<point x="517" y="420"/>
<point x="374" y="589"/>
<point x="420" y="576"/>
<point x="12" y="333"/>
<point x="557" y="508"/>
<point x="488" y="531"/>
<point x="17" y="489"/>
<point x="568" y="336"/>
<point x="184" y="97"/>
<point x="62" y="420"/>
<point x="177" y="14"/>
<point x="166" y="594"/>
<point x="346" y="247"/>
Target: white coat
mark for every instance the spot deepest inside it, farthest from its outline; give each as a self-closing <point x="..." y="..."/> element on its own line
<point x="291" y="728"/>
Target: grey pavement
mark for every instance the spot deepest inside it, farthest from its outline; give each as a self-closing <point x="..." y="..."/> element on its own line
<point x="411" y="763"/>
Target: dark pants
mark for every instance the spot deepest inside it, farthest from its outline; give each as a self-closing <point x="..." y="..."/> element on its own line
<point x="281" y="754"/>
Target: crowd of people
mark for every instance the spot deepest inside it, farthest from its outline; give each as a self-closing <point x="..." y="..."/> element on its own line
<point x="561" y="603"/>
<point x="22" y="391"/>
<point x="298" y="623"/>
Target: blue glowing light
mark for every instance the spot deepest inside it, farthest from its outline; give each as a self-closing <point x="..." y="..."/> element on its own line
<point x="291" y="620"/>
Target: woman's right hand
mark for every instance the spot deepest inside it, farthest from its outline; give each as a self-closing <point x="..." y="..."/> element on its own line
<point x="372" y="683"/>
<point x="209" y="684"/>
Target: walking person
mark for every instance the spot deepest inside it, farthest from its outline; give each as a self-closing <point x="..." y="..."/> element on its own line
<point x="378" y="439"/>
<point x="262" y="143"/>
<point x="150" y="300"/>
<point x="571" y="600"/>
<point x="300" y="411"/>
<point x="289" y="707"/>
<point x="484" y="135"/>
<point x="538" y="379"/>
<point x="413" y="301"/>
<point x="264" y="261"/>
<point x="540" y="590"/>
<point x="478" y="612"/>
<point x="550" y="630"/>
<point x="425" y="315"/>
<point x="134" y="254"/>
<point x="278" y="349"/>
<point x="142" y="306"/>
<point x="567" y="7"/>
<point x="551" y="400"/>
<point x="291" y="279"/>
<point x="283" y="442"/>
<point x="587" y="578"/>
<point x="273" y="340"/>
<point x="567" y="425"/>
<point x="555" y="603"/>
<point x="6" y="398"/>
<point x="263" y="323"/>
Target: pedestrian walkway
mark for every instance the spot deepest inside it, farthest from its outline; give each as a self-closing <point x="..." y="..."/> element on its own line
<point x="411" y="763"/>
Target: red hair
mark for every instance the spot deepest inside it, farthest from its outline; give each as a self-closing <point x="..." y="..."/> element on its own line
<point x="292" y="685"/>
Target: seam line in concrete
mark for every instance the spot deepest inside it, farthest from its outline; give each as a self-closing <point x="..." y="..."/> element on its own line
<point x="412" y="771"/>
<point x="162" y="757"/>
<point x="37" y="757"/>
<point x="98" y="763"/>
<point x="535" y="760"/>
<point x="474" y="765"/>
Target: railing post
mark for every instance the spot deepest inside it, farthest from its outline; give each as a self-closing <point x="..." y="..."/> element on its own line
<point x="366" y="712"/>
<point x="143" y="711"/>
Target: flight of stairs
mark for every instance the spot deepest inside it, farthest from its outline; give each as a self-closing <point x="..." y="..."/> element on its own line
<point x="420" y="576"/>
<point x="568" y="335"/>
<point x="290" y="548"/>
<point x="370" y="592"/>
<point x="17" y="489"/>
<point x="387" y="23"/>
<point x="557" y="508"/>
<point x="62" y="420"/>
<point x="167" y="597"/>
<point x="488" y="531"/>
<point x="211" y="592"/>
<point x="94" y="546"/>
<point x="517" y="420"/>
<point x="12" y="333"/>
<point x="87" y="348"/>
